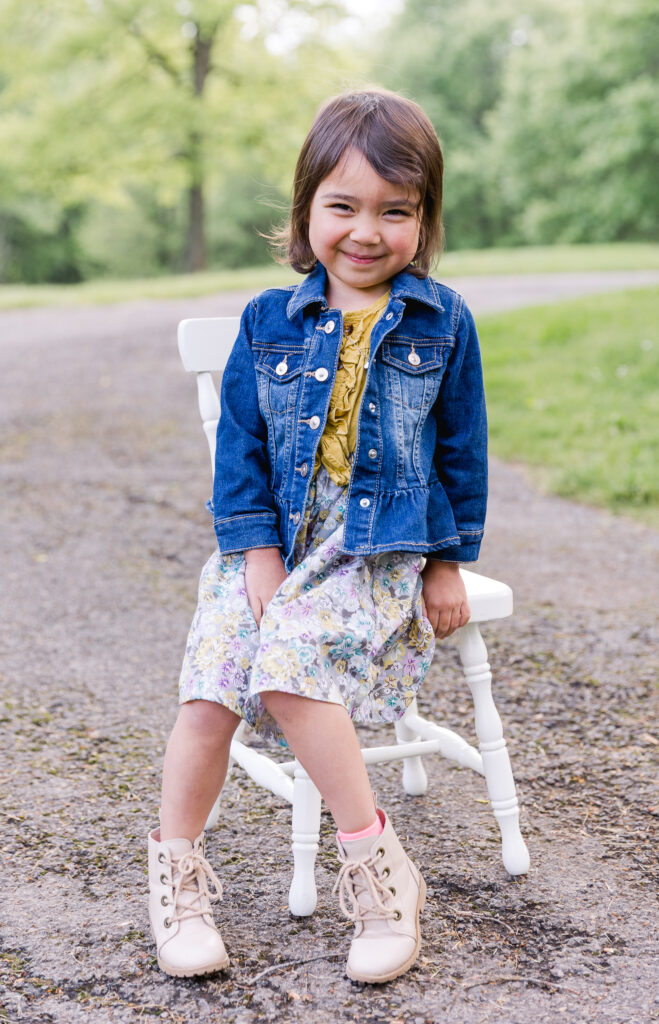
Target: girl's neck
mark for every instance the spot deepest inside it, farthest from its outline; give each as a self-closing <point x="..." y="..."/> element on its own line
<point x="349" y="299"/>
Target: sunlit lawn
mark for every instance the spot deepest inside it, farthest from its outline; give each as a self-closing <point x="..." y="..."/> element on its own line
<point x="538" y="259"/>
<point x="573" y="391"/>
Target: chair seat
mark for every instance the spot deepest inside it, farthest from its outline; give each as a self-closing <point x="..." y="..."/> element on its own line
<point x="488" y="599"/>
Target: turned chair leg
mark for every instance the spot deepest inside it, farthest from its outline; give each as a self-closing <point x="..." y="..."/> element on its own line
<point x="496" y="762"/>
<point x="302" y="896"/>
<point x="415" y="780"/>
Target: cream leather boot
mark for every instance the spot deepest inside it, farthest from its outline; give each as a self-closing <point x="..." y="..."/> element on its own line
<point x="182" y="923"/>
<point x="382" y="891"/>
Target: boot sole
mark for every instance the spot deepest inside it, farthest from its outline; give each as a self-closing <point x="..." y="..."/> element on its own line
<point x="182" y="972"/>
<point x="377" y="979"/>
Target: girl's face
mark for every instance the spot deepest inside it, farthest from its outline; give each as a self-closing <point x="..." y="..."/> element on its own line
<point x="363" y="230"/>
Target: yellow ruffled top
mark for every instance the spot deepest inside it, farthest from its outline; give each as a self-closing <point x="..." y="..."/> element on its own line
<point x="340" y="435"/>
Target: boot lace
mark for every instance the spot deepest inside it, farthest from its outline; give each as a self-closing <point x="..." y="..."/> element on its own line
<point x="362" y="894"/>
<point x="193" y="873"/>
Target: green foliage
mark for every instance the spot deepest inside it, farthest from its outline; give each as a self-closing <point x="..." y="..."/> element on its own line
<point x="135" y="135"/>
<point x="572" y="392"/>
<point x="31" y="253"/>
<point x="548" y="115"/>
<point x="575" y="131"/>
<point x="111" y="103"/>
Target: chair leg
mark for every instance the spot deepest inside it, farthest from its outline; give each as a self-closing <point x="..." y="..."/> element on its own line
<point x="302" y="896"/>
<point x="415" y="780"/>
<point x="496" y="762"/>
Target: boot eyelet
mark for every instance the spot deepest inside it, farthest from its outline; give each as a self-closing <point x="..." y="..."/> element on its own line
<point x="380" y="851"/>
<point x="164" y="901"/>
<point x="386" y="872"/>
<point x="397" y="915"/>
<point x="161" y="857"/>
<point x="391" y="890"/>
<point x="167" y="922"/>
<point x="163" y="879"/>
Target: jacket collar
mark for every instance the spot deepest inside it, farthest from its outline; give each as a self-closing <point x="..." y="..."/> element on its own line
<point x="404" y="286"/>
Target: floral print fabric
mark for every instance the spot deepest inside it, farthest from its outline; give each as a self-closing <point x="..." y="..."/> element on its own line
<point x="340" y="628"/>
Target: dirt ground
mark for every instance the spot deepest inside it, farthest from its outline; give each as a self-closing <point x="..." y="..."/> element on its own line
<point x="104" y="476"/>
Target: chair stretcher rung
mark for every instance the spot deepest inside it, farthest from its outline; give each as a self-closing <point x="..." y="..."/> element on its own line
<point x="263" y="771"/>
<point x="449" y="743"/>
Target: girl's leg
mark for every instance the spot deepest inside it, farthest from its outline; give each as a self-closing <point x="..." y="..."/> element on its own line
<point x="195" y="767"/>
<point x="381" y="889"/>
<point x="182" y="884"/>
<point x="324" y="740"/>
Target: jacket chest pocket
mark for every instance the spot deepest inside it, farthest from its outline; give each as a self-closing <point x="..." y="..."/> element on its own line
<point x="414" y="369"/>
<point x="278" y="376"/>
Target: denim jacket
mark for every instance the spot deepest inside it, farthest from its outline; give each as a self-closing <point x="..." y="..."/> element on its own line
<point x="419" y="471"/>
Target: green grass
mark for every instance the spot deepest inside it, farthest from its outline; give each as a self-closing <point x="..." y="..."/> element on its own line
<point x="573" y="393"/>
<point x="539" y="259"/>
<point x="551" y="259"/>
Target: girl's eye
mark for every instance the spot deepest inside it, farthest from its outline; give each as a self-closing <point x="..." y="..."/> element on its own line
<point x="398" y="213"/>
<point x="341" y="207"/>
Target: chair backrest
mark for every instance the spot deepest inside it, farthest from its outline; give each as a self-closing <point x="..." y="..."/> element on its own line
<point x="205" y="344"/>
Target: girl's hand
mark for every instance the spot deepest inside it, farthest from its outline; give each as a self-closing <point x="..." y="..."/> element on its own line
<point x="264" y="572"/>
<point x="444" y="597"/>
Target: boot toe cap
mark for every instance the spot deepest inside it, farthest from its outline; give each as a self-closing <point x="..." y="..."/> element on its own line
<point x="184" y="956"/>
<point x="381" y="960"/>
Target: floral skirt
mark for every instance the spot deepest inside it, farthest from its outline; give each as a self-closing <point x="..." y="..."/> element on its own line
<point x="341" y="628"/>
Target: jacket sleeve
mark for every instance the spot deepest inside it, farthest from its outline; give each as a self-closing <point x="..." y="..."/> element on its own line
<point x="244" y="512"/>
<point x="461" y="453"/>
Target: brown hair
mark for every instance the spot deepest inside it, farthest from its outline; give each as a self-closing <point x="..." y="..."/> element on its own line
<point x="399" y="142"/>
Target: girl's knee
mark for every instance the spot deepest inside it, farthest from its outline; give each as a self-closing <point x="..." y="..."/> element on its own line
<point x="276" y="701"/>
<point x="207" y="716"/>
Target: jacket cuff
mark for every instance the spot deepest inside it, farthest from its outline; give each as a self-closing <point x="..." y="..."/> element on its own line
<point x="240" y="533"/>
<point x="466" y="552"/>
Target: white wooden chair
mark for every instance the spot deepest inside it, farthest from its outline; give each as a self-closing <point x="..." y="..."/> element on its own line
<point x="204" y="345"/>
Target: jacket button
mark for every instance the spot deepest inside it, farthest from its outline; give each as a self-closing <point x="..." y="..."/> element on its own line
<point x="372" y="453"/>
<point x="296" y="518"/>
<point x="414" y="358"/>
<point x="281" y="369"/>
<point x="329" y="327"/>
<point x="314" y="422"/>
<point x="389" y="316"/>
<point x="321" y="373"/>
<point x="304" y="469"/>
<point x="365" y="502"/>
<point x="371" y="406"/>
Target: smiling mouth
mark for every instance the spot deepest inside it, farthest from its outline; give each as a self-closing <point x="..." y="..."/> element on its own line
<point x="362" y="260"/>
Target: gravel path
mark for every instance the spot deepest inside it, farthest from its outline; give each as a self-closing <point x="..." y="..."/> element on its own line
<point x="104" y="476"/>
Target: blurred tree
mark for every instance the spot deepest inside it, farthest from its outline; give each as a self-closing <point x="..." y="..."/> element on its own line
<point x="547" y="114"/>
<point x="102" y="100"/>
<point x="575" y="133"/>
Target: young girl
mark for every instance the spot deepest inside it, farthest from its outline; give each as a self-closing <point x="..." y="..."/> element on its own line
<point x="351" y="453"/>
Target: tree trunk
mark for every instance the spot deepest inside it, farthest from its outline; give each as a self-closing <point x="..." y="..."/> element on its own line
<point x="195" y="257"/>
<point x="196" y="254"/>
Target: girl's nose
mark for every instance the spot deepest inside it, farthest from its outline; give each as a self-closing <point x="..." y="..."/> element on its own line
<point x="365" y="231"/>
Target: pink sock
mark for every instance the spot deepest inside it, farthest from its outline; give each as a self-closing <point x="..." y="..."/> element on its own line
<point x="373" y="830"/>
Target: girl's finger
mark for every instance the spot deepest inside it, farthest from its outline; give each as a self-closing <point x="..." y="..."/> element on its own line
<point x="454" y="621"/>
<point x="443" y="623"/>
